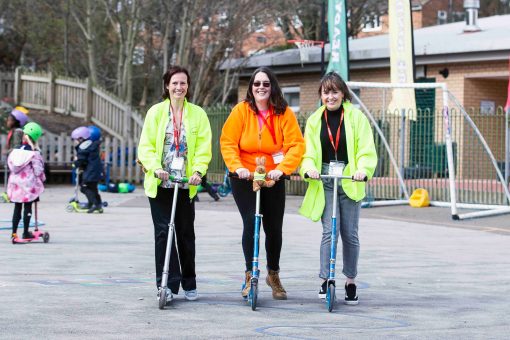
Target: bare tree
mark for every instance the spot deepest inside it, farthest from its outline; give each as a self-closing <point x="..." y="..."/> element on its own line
<point x="88" y="30"/>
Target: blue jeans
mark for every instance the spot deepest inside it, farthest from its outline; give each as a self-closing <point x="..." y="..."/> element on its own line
<point x="347" y="218"/>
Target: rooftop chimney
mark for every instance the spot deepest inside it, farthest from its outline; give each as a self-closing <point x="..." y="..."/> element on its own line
<point x="471" y="7"/>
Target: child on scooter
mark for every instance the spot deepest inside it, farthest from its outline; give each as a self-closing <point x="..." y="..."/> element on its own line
<point x="89" y="162"/>
<point x="26" y="178"/>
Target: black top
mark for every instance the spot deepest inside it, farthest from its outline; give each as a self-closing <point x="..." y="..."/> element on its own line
<point x="328" y="152"/>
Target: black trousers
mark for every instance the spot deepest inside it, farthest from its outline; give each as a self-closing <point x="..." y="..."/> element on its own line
<point x="89" y="189"/>
<point x="272" y="207"/>
<point x="161" y="209"/>
<point x="16" y="216"/>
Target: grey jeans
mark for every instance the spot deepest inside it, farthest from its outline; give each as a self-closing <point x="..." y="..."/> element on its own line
<point x="347" y="218"/>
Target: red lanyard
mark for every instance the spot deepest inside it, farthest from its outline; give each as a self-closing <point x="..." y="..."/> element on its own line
<point x="177" y="133"/>
<point x="270" y="127"/>
<point x="335" y="145"/>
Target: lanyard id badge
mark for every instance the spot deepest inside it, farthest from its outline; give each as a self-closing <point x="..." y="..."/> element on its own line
<point x="278" y="157"/>
<point x="177" y="164"/>
<point x="336" y="168"/>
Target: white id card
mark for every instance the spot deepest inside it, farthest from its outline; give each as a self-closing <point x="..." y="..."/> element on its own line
<point x="177" y="164"/>
<point x="336" y="168"/>
<point x="278" y="157"/>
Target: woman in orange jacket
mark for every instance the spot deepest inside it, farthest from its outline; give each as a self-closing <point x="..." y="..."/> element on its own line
<point x="262" y="125"/>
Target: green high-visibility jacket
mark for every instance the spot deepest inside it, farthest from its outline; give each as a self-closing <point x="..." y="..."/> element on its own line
<point x="361" y="155"/>
<point x="152" y="139"/>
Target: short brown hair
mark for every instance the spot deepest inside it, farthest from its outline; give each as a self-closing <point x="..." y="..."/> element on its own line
<point x="169" y="74"/>
<point x="333" y="81"/>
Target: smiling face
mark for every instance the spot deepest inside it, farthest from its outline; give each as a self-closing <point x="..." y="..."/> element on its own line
<point x="261" y="87"/>
<point x="332" y="98"/>
<point x="178" y="86"/>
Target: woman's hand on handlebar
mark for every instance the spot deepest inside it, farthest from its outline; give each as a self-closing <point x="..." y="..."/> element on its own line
<point x="195" y="179"/>
<point x="243" y="173"/>
<point x="161" y="174"/>
<point x="359" y="176"/>
<point x="274" y="174"/>
<point x="313" y="174"/>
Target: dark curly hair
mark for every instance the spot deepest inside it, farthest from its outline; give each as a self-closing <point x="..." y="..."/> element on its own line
<point x="169" y="74"/>
<point x="333" y="81"/>
<point x="276" y="99"/>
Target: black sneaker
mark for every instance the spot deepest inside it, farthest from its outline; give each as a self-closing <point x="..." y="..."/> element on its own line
<point x="322" y="291"/>
<point x="94" y="209"/>
<point x="28" y="235"/>
<point x="351" y="298"/>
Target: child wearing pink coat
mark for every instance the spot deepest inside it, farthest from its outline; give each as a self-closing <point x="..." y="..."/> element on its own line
<point x="25" y="180"/>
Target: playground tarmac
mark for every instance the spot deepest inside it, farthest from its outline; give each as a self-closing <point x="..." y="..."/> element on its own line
<point x="421" y="276"/>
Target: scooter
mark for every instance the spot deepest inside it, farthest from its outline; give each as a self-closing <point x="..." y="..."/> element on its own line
<point x="255" y="272"/>
<point x="224" y="188"/>
<point x="163" y="290"/>
<point x="37" y="234"/>
<point x="330" y="290"/>
<point x="74" y="203"/>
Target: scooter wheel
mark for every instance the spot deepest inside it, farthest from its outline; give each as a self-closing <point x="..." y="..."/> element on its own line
<point x="162" y="298"/>
<point x="330" y="296"/>
<point x="69" y="208"/>
<point x="223" y="191"/>
<point x="254" y="291"/>
<point x="105" y="204"/>
<point x="46" y="237"/>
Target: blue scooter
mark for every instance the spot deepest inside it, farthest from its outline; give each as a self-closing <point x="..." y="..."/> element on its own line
<point x="255" y="272"/>
<point x="330" y="290"/>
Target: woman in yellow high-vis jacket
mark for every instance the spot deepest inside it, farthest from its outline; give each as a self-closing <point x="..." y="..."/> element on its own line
<point x="175" y="140"/>
<point x="337" y="132"/>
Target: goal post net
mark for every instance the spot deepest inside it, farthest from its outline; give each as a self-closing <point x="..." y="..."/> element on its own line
<point x="438" y="146"/>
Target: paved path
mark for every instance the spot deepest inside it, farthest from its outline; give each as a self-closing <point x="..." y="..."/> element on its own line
<point x="433" y="278"/>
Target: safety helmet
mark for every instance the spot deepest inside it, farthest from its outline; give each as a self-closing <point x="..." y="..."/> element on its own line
<point x="95" y="133"/>
<point x="81" y="132"/>
<point x="20" y="114"/>
<point x="33" y="130"/>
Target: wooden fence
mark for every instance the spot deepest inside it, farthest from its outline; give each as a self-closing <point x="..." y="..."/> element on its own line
<point x="76" y="97"/>
<point x="6" y="84"/>
<point x="58" y="152"/>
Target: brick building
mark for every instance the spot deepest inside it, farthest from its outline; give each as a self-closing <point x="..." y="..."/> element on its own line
<point x="474" y="66"/>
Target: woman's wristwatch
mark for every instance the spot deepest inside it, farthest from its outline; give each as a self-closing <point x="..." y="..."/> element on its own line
<point x="198" y="173"/>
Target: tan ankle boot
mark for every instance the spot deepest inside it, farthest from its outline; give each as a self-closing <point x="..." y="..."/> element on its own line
<point x="247" y="282"/>
<point x="273" y="281"/>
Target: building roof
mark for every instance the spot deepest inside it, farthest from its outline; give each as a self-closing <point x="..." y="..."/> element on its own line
<point x="436" y="44"/>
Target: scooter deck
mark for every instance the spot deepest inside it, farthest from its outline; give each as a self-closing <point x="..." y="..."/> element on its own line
<point x="38" y="236"/>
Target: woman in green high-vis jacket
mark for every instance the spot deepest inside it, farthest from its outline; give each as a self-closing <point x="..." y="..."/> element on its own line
<point x="175" y="140"/>
<point x="337" y="132"/>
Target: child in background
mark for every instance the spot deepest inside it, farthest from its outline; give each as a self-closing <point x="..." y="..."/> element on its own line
<point x="26" y="178"/>
<point x="88" y="160"/>
<point x="15" y="122"/>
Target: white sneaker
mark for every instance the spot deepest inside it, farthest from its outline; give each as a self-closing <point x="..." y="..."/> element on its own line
<point x="191" y="295"/>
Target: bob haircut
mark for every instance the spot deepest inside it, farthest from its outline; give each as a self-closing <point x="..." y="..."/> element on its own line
<point x="168" y="76"/>
<point x="332" y="81"/>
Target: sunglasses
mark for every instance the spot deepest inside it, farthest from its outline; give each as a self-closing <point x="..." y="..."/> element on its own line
<point x="264" y="83"/>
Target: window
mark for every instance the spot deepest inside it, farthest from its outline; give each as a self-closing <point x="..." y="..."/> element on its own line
<point x="291" y="95"/>
<point x="138" y="55"/>
<point x="442" y="17"/>
<point x="371" y="23"/>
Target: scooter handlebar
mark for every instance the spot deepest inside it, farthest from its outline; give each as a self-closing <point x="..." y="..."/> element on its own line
<point x="175" y="179"/>
<point x="340" y="177"/>
<point x="235" y="175"/>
